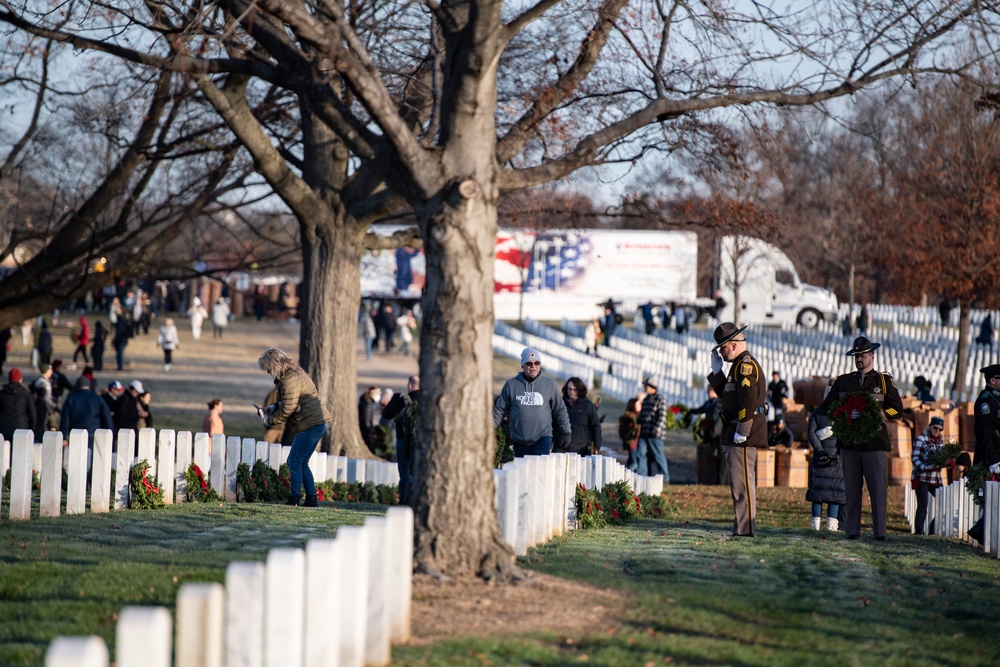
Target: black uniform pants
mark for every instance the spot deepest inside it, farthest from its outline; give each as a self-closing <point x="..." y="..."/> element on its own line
<point x="868" y="468"/>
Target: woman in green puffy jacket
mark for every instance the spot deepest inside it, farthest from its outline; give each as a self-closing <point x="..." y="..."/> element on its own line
<point x="298" y="407"/>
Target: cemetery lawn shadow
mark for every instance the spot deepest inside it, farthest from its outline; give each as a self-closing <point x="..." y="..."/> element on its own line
<point x="678" y="591"/>
<point x="73" y="575"/>
<point x="694" y="595"/>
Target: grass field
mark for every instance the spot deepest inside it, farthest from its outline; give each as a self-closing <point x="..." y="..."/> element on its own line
<point x="791" y="596"/>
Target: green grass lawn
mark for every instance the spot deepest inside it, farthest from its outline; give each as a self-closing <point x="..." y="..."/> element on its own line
<point x="72" y="575"/>
<point x="791" y="596"/>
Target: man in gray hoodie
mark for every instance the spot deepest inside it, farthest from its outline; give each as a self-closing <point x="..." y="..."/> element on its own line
<point x="533" y="403"/>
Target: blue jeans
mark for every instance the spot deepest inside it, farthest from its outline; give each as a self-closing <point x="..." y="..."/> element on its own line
<point x="656" y="445"/>
<point x="368" y="346"/>
<point x="303" y="447"/>
<point x="403" y="463"/>
<point x="832" y="511"/>
<point x="540" y="447"/>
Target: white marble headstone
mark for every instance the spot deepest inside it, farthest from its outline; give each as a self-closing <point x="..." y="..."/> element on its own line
<point x="244" y="632"/>
<point x="51" y="474"/>
<point x="284" y="615"/>
<point x="143" y="637"/>
<point x="77" y="652"/>
<point x="76" y="477"/>
<point x="21" y="459"/>
<point x="199" y="625"/>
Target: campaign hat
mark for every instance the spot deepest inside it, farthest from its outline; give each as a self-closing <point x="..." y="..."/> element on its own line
<point x="726" y="332"/>
<point x="862" y="346"/>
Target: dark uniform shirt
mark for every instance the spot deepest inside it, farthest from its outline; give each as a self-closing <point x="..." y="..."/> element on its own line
<point x="743" y="395"/>
<point x="881" y="387"/>
<point x="987" y="410"/>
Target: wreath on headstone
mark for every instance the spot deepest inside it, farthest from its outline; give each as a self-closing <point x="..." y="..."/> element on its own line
<point x="975" y="481"/>
<point x="198" y="489"/>
<point x="144" y="494"/>
<point x="855" y="431"/>
<point x="261" y="483"/>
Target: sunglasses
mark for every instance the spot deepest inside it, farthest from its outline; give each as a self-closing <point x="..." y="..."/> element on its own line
<point x="937" y="428"/>
<point x="532" y="363"/>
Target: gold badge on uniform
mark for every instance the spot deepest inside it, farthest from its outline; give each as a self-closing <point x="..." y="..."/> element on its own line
<point x="745" y="383"/>
<point x="746" y="368"/>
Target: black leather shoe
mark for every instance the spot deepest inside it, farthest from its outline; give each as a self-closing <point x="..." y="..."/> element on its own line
<point x="311" y="501"/>
<point x="853" y="537"/>
<point x="293" y="500"/>
<point x="880" y="538"/>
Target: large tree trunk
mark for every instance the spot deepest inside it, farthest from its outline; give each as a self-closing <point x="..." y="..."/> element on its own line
<point x="457" y="530"/>
<point x="962" y="358"/>
<point x="331" y="295"/>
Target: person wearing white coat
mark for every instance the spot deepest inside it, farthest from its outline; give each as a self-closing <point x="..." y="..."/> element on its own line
<point x="220" y="317"/>
<point x="169" y="341"/>
<point x="197" y="313"/>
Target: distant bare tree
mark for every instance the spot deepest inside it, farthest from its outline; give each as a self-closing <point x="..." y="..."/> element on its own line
<point x="945" y="161"/>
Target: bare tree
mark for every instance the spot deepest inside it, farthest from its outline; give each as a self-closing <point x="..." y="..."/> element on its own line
<point x="453" y="104"/>
<point x="945" y="161"/>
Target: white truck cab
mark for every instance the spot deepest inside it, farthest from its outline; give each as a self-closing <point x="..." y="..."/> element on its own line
<point x="762" y="281"/>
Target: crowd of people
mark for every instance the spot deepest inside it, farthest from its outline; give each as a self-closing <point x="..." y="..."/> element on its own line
<point x="744" y="413"/>
<point x="382" y="322"/>
<point x="53" y="401"/>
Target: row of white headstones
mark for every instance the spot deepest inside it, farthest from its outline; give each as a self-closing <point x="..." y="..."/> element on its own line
<point x="340" y="601"/>
<point x="217" y="456"/>
<point x="954" y="510"/>
<point x="534" y="500"/>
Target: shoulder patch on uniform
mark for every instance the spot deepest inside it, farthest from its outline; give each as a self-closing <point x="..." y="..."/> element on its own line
<point x="984" y="408"/>
<point x="745" y="383"/>
<point x="746" y="368"/>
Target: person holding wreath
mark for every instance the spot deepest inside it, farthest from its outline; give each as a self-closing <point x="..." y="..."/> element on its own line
<point x="987" y="429"/>
<point x="857" y="406"/>
<point x="926" y="473"/>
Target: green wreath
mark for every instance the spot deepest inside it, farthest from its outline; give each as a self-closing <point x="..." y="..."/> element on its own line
<point x="945" y="456"/>
<point x="198" y="488"/>
<point x="145" y="495"/>
<point x="854" y="432"/>
<point x="975" y="481"/>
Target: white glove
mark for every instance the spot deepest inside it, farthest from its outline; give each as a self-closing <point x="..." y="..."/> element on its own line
<point x="995" y="468"/>
<point x="824" y="433"/>
<point x="855" y="414"/>
<point x="716" y="362"/>
<point x="739" y="438"/>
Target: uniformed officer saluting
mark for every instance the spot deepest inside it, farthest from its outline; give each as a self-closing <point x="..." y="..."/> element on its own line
<point x="867" y="461"/>
<point x="987" y="410"/>
<point x="744" y="419"/>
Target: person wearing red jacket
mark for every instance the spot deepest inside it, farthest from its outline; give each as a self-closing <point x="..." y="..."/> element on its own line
<point x="82" y="338"/>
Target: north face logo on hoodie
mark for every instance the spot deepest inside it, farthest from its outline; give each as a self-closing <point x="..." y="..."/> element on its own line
<point x="530" y="398"/>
